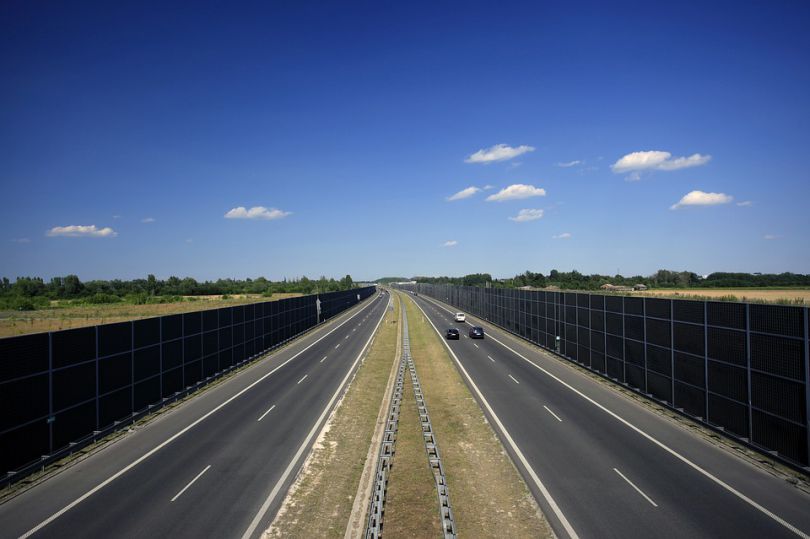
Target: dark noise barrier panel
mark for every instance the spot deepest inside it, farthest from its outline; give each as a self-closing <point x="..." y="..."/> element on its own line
<point x="741" y="368"/>
<point x="65" y="388"/>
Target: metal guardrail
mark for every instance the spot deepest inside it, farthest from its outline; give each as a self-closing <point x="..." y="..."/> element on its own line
<point x="374" y="528"/>
<point x="431" y="447"/>
<point x="376" y="507"/>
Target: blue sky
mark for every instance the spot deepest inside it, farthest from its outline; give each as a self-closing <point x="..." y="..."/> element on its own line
<point x="357" y="121"/>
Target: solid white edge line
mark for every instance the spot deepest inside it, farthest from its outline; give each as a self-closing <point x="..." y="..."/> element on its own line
<point x="175" y="436"/>
<point x="267" y="412"/>
<point x="541" y="487"/>
<point x="666" y="448"/>
<point x="552" y="413"/>
<point x="302" y="379"/>
<point x="190" y="483"/>
<point x="513" y="378"/>
<point x="315" y="428"/>
<point x="635" y="487"/>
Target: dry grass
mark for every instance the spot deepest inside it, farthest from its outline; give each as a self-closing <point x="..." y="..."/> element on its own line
<point x="16" y="323"/>
<point x="473" y="456"/>
<point x="741" y="294"/>
<point x="320" y="501"/>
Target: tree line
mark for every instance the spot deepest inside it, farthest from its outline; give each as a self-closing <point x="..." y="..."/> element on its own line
<point x="27" y="293"/>
<point x="574" y="280"/>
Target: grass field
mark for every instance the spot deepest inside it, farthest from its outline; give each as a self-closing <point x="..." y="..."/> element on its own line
<point x="19" y="323"/>
<point x="796" y="296"/>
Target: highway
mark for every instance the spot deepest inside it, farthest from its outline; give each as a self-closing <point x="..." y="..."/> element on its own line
<point x="600" y="464"/>
<point x="219" y="464"/>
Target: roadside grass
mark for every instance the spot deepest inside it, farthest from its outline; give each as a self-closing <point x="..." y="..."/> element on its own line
<point x="488" y="495"/>
<point x="319" y="503"/>
<point x="14" y="323"/>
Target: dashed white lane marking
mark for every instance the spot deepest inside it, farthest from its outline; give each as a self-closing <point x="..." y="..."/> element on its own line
<point x="347" y="338"/>
<point x="475" y="345"/>
<point x="337" y="346"/>
<point x="191" y="482"/>
<point x="324" y="359"/>
<point x="267" y="412"/>
<point x="665" y="447"/>
<point x="513" y="379"/>
<point x="490" y="358"/>
<point x="302" y="379"/>
<point x="552" y="413"/>
<point x="635" y="487"/>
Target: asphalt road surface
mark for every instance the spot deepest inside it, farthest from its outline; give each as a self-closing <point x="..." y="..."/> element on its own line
<point x="600" y="464"/>
<point x="216" y="466"/>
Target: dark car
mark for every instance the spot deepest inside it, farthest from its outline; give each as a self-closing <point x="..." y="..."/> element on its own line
<point x="476" y="332"/>
<point x="452" y="333"/>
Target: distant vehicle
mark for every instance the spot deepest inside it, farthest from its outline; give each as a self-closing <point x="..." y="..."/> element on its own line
<point x="415" y="294"/>
<point x="460" y="317"/>
<point x="476" y="332"/>
<point x="452" y="333"/>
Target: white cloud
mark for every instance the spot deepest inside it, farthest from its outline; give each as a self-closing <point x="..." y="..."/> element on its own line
<point x="499" y="152"/>
<point x="189" y="240"/>
<point x="148" y="220"/>
<point x="21" y="240"/>
<point x="771" y="237"/>
<point x="450" y="243"/>
<point x="116" y="216"/>
<point x="256" y="212"/>
<point x="516" y="192"/>
<point x="700" y="198"/>
<point x="464" y="193"/>
<point x="527" y="215"/>
<point x="745" y="203"/>
<point x="563" y="236"/>
<point x="79" y="231"/>
<point x="487" y="187"/>
<point x="569" y="164"/>
<point x="656" y="160"/>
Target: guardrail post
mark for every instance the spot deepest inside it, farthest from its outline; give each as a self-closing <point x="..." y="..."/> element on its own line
<point x="98" y="403"/>
<point x="706" y="361"/>
<point x="748" y="368"/>
<point x="50" y="392"/>
<point x="672" y="352"/>
<point x="807" y="381"/>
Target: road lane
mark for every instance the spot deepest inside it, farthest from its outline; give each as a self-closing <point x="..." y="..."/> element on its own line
<point x="247" y="457"/>
<point x="576" y="458"/>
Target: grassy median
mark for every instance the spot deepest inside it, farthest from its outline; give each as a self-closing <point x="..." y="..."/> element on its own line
<point x="487" y="493"/>
<point x="320" y="501"/>
<point x="411" y="502"/>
